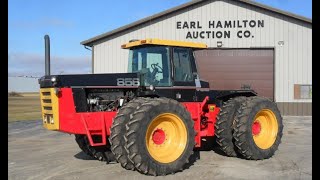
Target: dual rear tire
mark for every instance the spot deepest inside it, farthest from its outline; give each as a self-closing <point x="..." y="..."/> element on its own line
<point x="258" y="128"/>
<point x="250" y="127"/>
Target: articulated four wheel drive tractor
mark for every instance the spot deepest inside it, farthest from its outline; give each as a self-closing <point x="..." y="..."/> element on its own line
<point x="157" y="115"/>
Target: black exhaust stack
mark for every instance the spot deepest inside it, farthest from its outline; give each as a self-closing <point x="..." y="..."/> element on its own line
<point x="47" y="55"/>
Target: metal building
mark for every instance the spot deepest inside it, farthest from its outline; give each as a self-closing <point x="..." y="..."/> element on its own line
<point x="253" y="46"/>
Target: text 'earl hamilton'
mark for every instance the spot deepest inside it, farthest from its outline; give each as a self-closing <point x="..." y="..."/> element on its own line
<point x="227" y="24"/>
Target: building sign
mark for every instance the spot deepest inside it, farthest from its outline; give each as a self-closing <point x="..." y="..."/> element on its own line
<point x="219" y="29"/>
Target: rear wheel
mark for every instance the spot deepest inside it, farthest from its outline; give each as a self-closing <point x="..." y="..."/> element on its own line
<point x="102" y="153"/>
<point x="258" y="128"/>
<point x="118" y="130"/>
<point x="160" y="137"/>
<point x="224" y="125"/>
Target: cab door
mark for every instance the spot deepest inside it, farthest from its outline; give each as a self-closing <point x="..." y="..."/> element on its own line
<point x="183" y="74"/>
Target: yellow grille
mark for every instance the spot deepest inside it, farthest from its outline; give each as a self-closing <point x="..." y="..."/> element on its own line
<point x="50" y="108"/>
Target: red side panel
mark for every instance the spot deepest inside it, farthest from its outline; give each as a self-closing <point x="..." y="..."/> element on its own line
<point x="204" y="117"/>
<point x="97" y="123"/>
<point x="211" y="115"/>
<point x="194" y="109"/>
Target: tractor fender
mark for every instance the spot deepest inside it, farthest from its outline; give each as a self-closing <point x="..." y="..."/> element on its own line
<point x="235" y="93"/>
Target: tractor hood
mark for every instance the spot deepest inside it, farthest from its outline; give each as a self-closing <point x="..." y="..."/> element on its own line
<point x="91" y="80"/>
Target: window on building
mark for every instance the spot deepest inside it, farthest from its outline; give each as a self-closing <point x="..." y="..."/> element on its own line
<point x="302" y="91"/>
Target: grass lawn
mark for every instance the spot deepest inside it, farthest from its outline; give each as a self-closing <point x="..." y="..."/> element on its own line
<point x="24" y="108"/>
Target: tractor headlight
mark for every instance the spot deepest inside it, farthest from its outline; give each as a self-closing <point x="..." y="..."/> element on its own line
<point x="53" y="79"/>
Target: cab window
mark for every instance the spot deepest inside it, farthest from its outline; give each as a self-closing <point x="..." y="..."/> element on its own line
<point x="182" y="65"/>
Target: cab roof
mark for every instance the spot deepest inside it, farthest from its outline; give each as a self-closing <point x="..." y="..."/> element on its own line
<point x="163" y="42"/>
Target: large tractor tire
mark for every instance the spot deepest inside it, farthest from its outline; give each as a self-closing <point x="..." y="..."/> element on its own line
<point x="160" y="137"/>
<point x="102" y="153"/>
<point x="118" y="130"/>
<point x="225" y="124"/>
<point x="258" y="128"/>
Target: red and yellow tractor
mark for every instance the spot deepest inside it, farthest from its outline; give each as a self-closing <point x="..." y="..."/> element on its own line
<point x="157" y="115"/>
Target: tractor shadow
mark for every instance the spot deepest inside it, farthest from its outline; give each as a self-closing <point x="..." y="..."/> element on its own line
<point x="210" y="144"/>
<point x="83" y="156"/>
<point x="207" y="145"/>
<point x="192" y="159"/>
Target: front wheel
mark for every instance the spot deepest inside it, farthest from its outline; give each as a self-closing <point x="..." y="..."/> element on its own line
<point x="160" y="137"/>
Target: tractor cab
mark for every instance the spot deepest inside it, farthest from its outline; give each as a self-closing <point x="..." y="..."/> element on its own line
<point x="163" y="63"/>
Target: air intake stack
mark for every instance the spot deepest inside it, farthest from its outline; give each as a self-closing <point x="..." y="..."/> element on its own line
<point x="47" y="55"/>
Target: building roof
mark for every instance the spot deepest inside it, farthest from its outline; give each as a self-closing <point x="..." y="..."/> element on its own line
<point x="163" y="42"/>
<point x="89" y="42"/>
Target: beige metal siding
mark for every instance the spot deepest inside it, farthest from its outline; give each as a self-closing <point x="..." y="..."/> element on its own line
<point x="292" y="60"/>
<point x="295" y="109"/>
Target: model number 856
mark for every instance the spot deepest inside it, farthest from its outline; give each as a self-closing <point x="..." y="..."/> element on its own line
<point x="128" y="82"/>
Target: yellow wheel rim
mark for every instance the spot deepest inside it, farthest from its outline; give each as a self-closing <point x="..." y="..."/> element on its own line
<point x="166" y="138"/>
<point x="265" y="128"/>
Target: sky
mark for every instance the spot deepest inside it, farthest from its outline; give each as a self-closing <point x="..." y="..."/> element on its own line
<point x="72" y="21"/>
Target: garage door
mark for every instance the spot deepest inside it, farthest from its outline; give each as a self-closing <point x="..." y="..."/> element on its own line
<point x="231" y="69"/>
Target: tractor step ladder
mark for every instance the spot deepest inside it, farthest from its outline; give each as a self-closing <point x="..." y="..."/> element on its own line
<point x="94" y="131"/>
